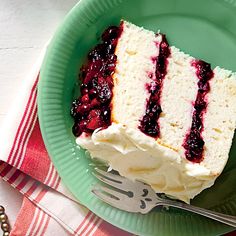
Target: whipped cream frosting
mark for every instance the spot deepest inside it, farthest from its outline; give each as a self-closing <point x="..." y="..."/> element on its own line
<point x="140" y="157"/>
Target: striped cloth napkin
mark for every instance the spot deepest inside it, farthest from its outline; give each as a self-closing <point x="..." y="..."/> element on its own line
<point x="48" y="208"/>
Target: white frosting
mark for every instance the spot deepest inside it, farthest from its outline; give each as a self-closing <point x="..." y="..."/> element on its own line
<point x="137" y="156"/>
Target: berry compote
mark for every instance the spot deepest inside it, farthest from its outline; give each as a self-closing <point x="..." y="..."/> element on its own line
<point x="149" y="123"/>
<point x="92" y="109"/>
<point x="194" y="143"/>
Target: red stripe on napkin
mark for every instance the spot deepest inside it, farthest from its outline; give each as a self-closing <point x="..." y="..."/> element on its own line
<point x="36" y="161"/>
<point x="24" y="218"/>
<point x="24" y="126"/>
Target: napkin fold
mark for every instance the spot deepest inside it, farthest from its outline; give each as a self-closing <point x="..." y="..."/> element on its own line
<point x="48" y="208"/>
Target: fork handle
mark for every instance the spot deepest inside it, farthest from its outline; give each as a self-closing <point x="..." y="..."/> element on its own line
<point x="226" y="219"/>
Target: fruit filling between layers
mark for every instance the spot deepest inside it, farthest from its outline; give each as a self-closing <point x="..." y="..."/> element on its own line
<point x="149" y="123"/>
<point x="92" y="109"/>
<point x="194" y="143"/>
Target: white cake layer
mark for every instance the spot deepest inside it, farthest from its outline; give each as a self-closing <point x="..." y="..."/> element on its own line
<point x="178" y="94"/>
<point x="219" y="120"/>
<point x="135" y="50"/>
<point x="137" y="156"/>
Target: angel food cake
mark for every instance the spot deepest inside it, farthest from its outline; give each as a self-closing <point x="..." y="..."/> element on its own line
<point x="154" y="113"/>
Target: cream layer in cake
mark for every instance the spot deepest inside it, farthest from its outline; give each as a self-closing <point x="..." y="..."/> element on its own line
<point x="161" y="161"/>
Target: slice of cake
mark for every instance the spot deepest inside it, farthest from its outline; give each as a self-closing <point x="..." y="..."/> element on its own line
<point x="154" y="113"/>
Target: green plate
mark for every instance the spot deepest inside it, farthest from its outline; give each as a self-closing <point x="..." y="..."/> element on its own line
<point x="204" y="29"/>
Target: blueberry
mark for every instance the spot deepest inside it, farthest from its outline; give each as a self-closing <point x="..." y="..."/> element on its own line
<point x="106" y="114"/>
<point x="76" y="130"/>
<point x="111" y="33"/>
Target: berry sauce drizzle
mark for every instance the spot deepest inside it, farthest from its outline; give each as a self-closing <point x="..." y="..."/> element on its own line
<point x="149" y="123"/>
<point x="92" y="109"/>
<point x="194" y="143"/>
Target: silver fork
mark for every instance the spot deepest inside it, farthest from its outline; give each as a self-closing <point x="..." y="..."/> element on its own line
<point x="139" y="197"/>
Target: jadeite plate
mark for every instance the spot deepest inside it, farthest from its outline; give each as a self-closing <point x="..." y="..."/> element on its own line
<point x="204" y="29"/>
